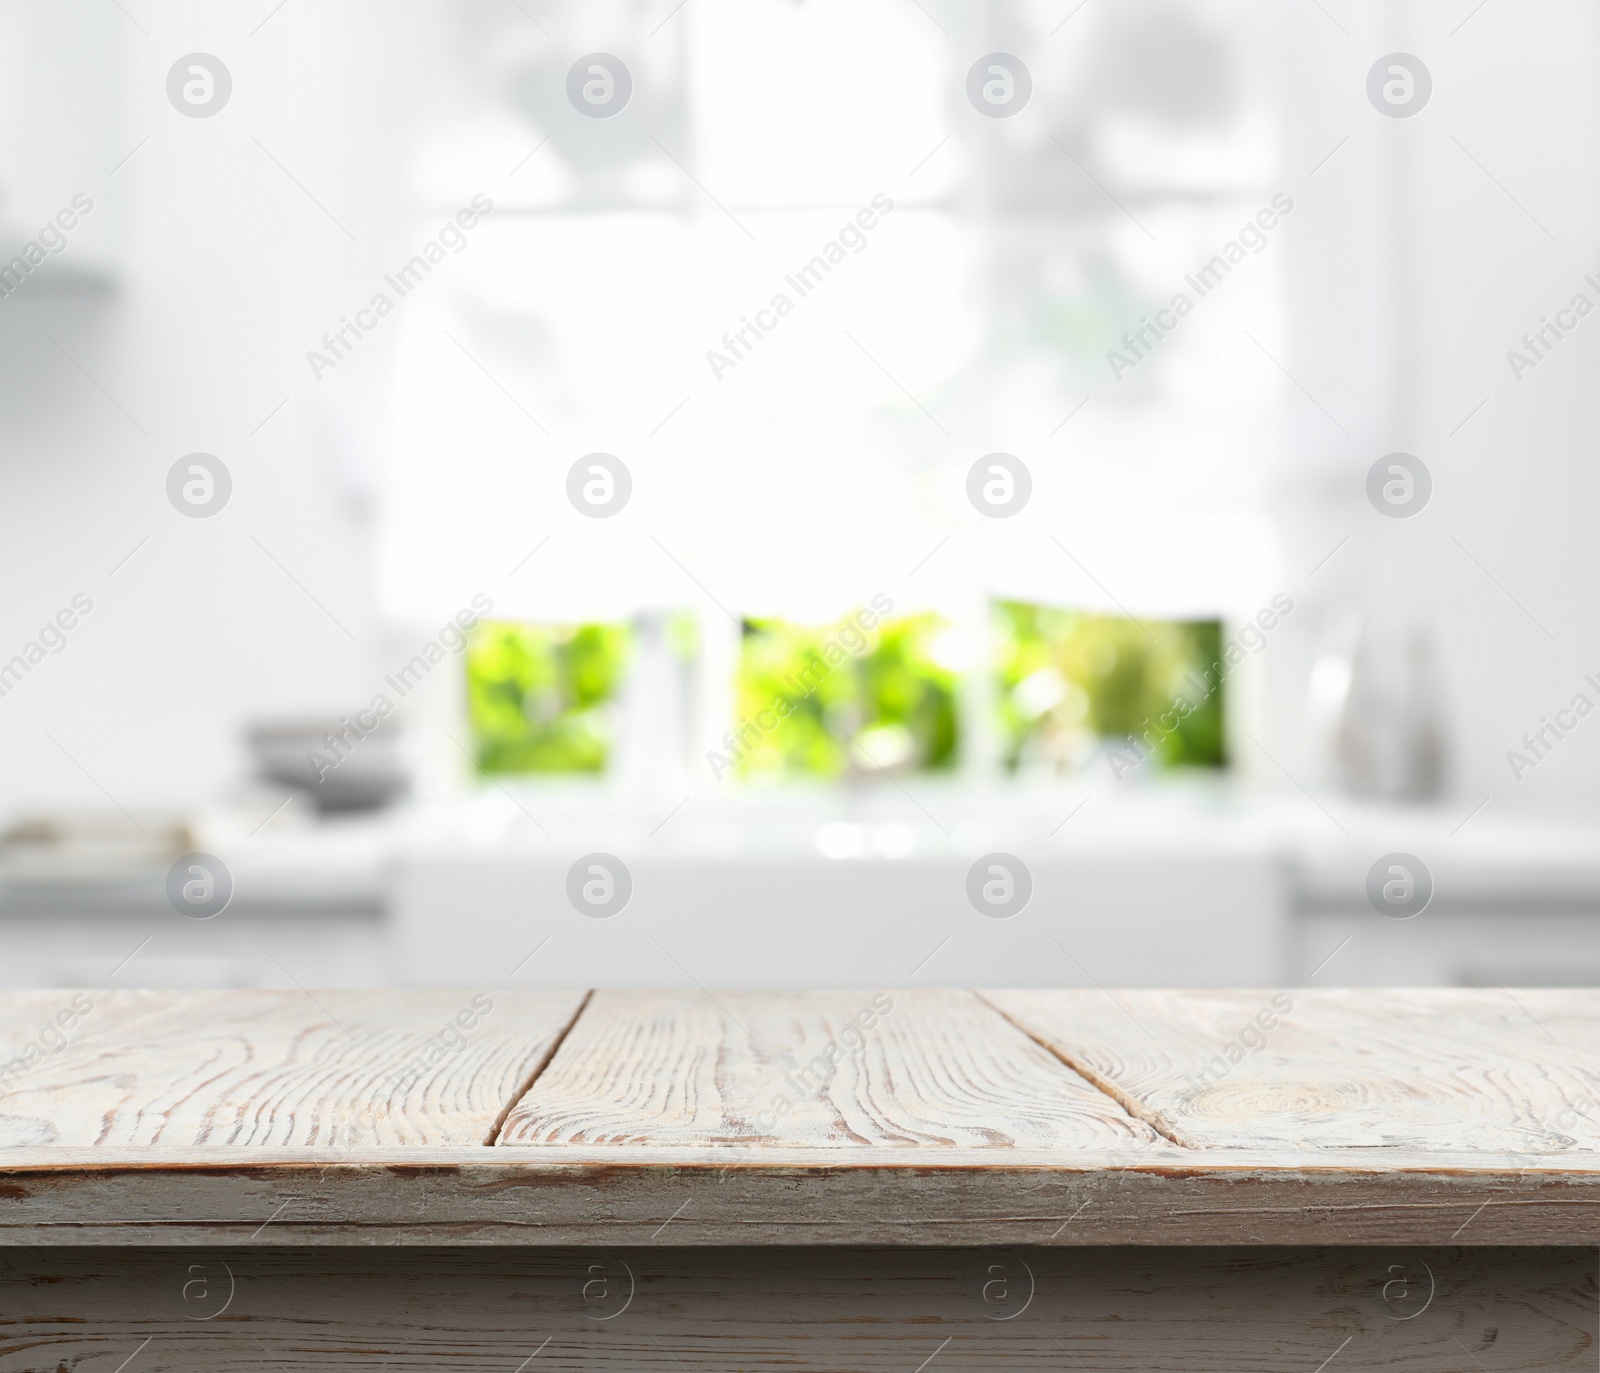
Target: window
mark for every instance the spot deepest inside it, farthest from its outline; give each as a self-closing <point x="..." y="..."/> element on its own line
<point x="1101" y="287"/>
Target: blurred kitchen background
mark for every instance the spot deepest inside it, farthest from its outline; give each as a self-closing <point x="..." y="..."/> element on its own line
<point x="398" y="682"/>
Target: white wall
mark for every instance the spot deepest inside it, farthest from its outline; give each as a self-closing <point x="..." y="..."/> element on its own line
<point x="1518" y="485"/>
<point x="203" y="337"/>
<point x="228" y="271"/>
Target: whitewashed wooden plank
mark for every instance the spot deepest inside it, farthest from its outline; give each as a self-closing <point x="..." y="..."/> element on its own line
<point x="920" y="1069"/>
<point x="1513" y="1071"/>
<point x="900" y="1197"/>
<point x="293" y="1143"/>
<point x="236" y="1070"/>
<point x="1439" y="1310"/>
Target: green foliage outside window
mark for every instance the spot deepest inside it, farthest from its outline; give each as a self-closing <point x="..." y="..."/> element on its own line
<point x="540" y="697"/>
<point x="860" y="703"/>
<point x="1069" y="682"/>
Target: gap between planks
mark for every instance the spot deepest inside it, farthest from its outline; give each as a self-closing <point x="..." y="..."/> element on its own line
<point x="1123" y="1099"/>
<point x="1128" y="1102"/>
<point x="515" y="1099"/>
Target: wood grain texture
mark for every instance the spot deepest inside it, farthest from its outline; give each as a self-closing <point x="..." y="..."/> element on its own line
<point x="666" y="1197"/>
<point x="1418" y="1069"/>
<point x="824" y="1070"/>
<point x="238" y="1070"/>
<point x="277" y="1119"/>
<point x="747" y="1311"/>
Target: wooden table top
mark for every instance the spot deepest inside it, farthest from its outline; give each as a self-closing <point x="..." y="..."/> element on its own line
<point x="902" y="1117"/>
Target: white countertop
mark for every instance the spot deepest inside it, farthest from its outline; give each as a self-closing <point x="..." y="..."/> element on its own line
<point x="1326" y="846"/>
